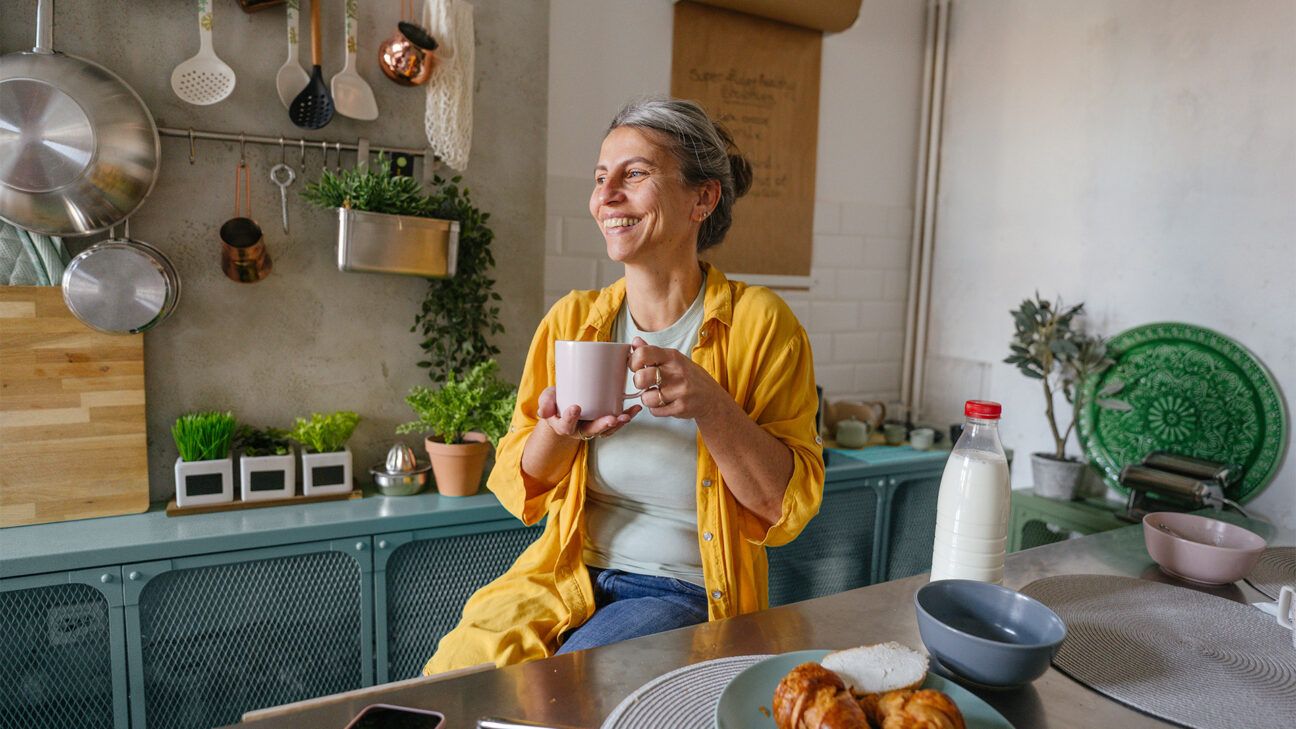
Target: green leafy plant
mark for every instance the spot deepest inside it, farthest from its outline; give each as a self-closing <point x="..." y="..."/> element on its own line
<point x="256" y="442"/>
<point x="204" y="436"/>
<point x="325" y="433"/>
<point x="459" y="314"/>
<point x="369" y="189"/>
<point x="1049" y="346"/>
<point x="480" y="401"/>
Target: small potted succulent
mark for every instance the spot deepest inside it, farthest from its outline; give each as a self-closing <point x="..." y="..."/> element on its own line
<point x="204" y="472"/>
<point x="464" y="418"/>
<point x="1049" y="346"/>
<point x="326" y="460"/>
<point x="267" y="468"/>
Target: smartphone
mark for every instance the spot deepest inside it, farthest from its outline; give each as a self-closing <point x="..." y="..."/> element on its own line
<point x="387" y="716"/>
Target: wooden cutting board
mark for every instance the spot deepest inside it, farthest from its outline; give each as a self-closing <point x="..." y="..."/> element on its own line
<point x="73" y="441"/>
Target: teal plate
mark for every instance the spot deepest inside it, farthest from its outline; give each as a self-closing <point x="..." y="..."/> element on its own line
<point x="753" y="689"/>
<point x="1190" y="391"/>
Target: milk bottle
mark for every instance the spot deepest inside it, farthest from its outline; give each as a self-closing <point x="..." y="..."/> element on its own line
<point x="972" y="509"/>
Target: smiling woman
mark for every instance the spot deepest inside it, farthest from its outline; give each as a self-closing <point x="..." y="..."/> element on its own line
<point x="657" y="519"/>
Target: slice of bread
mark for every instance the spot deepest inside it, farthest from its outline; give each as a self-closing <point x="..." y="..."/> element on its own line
<point x="878" y="668"/>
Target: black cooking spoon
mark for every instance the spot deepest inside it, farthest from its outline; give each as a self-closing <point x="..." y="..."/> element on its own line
<point x="313" y="107"/>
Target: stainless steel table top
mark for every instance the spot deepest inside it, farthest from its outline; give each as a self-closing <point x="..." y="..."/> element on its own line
<point x="581" y="689"/>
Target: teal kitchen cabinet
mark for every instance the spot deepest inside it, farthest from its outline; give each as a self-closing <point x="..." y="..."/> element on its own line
<point x="61" y="649"/>
<point x="212" y="636"/>
<point x="145" y="621"/>
<point x="422" y="580"/>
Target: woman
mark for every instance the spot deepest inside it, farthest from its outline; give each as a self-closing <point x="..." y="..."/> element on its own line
<point x="656" y="520"/>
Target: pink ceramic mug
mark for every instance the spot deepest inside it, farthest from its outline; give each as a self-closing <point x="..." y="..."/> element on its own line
<point x="592" y="375"/>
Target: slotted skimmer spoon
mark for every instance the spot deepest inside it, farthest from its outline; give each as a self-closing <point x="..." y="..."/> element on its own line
<point x="203" y="79"/>
<point x="292" y="77"/>
<point x="313" y="107"/>
<point x="352" y="96"/>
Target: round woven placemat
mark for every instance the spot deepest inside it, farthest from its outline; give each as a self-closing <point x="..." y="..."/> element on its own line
<point x="685" y="698"/>
<point x="1276" y="567"/>
<point x="1175" y="653"/>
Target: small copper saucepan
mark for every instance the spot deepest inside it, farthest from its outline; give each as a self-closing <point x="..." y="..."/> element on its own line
<point x="406" y="57"/>
<point x="244" y="257"/>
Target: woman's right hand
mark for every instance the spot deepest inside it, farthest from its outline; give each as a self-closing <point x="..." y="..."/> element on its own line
<point x="569" y="425"/>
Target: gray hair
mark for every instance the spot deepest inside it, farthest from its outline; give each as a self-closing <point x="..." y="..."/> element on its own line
<point x="701" y="147"/>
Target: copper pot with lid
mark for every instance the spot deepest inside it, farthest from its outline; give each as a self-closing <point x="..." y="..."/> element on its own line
<point x="407" y="57"/>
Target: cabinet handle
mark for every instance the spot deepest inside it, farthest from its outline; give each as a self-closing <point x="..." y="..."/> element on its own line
<point x="105" y="578"/>
<point x="359" y="546"/>
<point x="134" y="576"/>
<point x="382" y="543"/>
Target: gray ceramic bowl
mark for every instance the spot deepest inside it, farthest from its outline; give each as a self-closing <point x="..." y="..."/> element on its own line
<point x="987" y="633"/>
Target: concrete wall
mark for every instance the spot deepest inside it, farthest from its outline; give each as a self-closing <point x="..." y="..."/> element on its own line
<point x="868" y="122"/>
<point x="308" y="338"/>
<point x="1139" y="157"/>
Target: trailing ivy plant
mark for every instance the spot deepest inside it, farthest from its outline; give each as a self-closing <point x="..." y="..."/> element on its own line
<point x="459" y="314"/>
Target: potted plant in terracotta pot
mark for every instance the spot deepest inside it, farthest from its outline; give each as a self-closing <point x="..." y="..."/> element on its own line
<point x="326" y="460"/>
<point x="1049" y="346"/>
<point x="267" y="467"/>
<point x="464" y="417"/>
<point x="204" y="472"/>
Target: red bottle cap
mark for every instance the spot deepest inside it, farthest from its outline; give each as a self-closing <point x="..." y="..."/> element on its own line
<point x="982" y="409"/>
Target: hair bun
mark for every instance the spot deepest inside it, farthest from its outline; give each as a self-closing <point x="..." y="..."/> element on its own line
<point x="742" y="174"/>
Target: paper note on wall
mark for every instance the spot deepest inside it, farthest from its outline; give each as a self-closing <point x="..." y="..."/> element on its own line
<point x="760" y="79"/>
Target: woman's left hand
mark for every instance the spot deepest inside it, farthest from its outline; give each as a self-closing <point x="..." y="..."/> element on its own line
<point x="673" y="384"/>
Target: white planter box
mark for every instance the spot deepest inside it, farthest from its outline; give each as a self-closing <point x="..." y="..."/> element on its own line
<point x="326" y="473"/>
<point x="268" y="477"/>
<point x="204" y="482"/>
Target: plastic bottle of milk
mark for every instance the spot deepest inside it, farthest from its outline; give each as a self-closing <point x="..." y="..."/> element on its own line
<point x="972" y="509"/>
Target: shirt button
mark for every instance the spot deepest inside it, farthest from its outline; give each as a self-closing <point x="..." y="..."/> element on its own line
<point x="706" y="482"/>
<point x="716" y="594"/>
<point x="818" y="440"/>
<point x="707" y="536"/>
<point x="702" y="333"/>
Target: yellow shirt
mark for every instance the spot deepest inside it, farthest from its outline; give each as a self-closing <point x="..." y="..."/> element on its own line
<point x="754" y="347"/>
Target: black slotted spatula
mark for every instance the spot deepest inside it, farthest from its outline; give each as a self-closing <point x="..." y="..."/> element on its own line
<point x="313" y="107"/>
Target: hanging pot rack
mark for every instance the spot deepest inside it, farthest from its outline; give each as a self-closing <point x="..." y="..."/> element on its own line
<point x="362" y="146"/>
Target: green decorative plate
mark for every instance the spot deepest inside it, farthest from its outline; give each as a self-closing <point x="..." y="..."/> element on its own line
<point x="1187" y="390"/>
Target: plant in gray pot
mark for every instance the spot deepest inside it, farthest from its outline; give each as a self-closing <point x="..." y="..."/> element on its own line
<point x="1048" y="345"/>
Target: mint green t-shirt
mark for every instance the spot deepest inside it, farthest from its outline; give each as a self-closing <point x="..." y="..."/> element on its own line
<point x="641" y="502"/>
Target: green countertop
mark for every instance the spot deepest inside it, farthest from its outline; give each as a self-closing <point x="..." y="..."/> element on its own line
<point x="89" y="543"/>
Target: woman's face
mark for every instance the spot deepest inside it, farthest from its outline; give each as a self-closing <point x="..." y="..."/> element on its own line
<point x="640" y="201"/>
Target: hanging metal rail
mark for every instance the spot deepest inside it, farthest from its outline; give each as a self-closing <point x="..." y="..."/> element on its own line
<point x="361" y="145"/>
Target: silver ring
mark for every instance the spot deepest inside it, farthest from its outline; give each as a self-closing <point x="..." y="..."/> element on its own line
<point x="663" y="401"/>
<point x="657" y="370"/>
<point x="585" y="438"/>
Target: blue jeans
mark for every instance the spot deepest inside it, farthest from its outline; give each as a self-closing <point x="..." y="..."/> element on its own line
<point x="627" y="606"/>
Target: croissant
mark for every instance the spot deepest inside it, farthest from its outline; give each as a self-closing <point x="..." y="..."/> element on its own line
<point x="813" y="697"/>
<point x="922" y="709"/>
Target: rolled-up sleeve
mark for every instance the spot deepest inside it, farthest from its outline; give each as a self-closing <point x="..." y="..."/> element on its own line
<point x="507" y="480"/>
<point x="783" y="402"/>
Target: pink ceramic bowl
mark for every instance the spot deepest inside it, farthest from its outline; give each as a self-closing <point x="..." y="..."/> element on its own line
<point x="1199" y="549"/>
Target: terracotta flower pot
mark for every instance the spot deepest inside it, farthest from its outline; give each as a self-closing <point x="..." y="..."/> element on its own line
<point x="457" y="467"/>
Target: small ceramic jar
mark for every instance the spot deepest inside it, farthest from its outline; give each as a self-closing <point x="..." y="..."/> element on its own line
<point x="852" y="433"/>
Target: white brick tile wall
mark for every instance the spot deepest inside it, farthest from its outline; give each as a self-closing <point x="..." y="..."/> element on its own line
<point x="855" y="347"/>
<point x="827" y="217"/>
<point x="839" y="250"/>
<point x="887" y="253"/>
<point x="860" y="284"/>
<point x="853" y="311"/>
<point x="833" y="316"/>
<point x="564" y="273"/>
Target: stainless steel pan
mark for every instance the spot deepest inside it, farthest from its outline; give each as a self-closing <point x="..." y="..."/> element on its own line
<point x="79" y="149"/>
<point x="121" y="286"/>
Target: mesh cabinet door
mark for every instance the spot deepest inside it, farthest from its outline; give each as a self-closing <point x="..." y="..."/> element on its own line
<point x="215" y="636"/>
<point x="912" y="526"/>
<point x="424" y="579"/>
<point x="833" y="554"/>
<point x="62" y="651"/>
